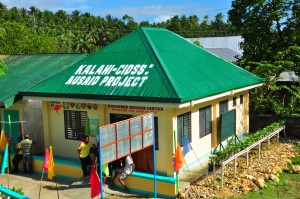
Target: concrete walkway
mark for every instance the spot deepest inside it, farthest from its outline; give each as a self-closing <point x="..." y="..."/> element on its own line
<point x="48" y="189"/>
<point x="34" y="188"/>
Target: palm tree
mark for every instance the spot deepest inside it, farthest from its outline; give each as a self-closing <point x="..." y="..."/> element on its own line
<point x="23" y="12"/>
<point x="62" y="17"/>
<point x="33" y="11"/>
<point x="75" y="16"/>
<point x="85" y="44"/>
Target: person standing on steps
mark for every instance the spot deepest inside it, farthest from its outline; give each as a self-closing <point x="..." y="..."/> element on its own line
<point x="84" y="155"/>
<point x="27" y="154"/>
<point x="18" y="156"/>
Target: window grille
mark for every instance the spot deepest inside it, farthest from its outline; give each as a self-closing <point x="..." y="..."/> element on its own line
<point x="223" y="107"/>
<point x="234" y="101"/>
<point x="75" y="122"/>
<point x="183" y="127"/>
<point x="156" y="132"/>
<point x="205" y="121"/>
<point x="241" y="99"/>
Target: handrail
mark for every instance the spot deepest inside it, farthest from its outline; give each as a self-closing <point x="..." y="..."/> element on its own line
<point x="253" y="145"/>
<point x="246" y="150"/>
<point x="11" y="193"/>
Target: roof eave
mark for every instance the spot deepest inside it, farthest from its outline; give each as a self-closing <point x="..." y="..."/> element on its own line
<point x="101" y="97"/>
<point x="191" y="103"/>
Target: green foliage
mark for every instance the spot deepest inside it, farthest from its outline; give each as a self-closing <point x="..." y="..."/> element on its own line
<point x="19" y="39"/>
<point x="273" y="98"/>
<point x="60" y="32"/>
<point x="197" y="43"/>
<point x="296" y="160"/>
<point x="287" y="187"/>
<point x="2" y="68"/>
<point x="271" y="45"/>
<point x="17" y="190"/>
<point x="233" y="147"/>
<point x="14" y="189"/>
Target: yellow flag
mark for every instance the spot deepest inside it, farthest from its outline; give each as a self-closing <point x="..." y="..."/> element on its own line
<point x="3" y="141"/>
<point x="50" y="165"/>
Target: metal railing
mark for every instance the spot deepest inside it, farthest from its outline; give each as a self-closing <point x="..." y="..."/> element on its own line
<point x="246" y="151"/>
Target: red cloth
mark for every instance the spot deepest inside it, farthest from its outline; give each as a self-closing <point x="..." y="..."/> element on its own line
<point x="178" y="159"/>
<point x="95" y="182"/>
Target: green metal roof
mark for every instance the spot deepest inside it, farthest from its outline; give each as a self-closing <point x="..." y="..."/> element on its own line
<point x="149" y="64"/>
<point x="24" y="71"/>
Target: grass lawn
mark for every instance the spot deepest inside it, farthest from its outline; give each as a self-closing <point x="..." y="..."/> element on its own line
<point x="288" y="187"/>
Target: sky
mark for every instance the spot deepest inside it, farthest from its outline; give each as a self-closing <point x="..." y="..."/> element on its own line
<point x="140" y="10"/>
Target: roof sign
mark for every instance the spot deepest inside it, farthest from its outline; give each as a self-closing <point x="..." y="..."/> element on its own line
<point x="125" y="75"/>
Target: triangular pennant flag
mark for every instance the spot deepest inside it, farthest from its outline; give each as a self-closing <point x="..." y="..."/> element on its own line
<point x="46" y="160"/>
<point x="178" y="159"/>
<point x="3" y="141"/>
<point x="95" y="182"/>
<point x="5" y="160"/>
<point x="50" y="165"/>
<point x="186" y="145"/>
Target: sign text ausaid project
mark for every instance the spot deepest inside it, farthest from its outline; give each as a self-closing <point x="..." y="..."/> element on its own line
<point x="125" y="75"/>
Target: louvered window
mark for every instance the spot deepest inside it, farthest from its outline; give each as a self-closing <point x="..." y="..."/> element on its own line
<point x="75" y="124"/>
<point x="241" y="99"/>
<point x="156" y="132"/>
<point x="184" y="127"/>
<point x="234" y="101"/>
<point x="205" y="121"/>
<point x="223" y="107"/>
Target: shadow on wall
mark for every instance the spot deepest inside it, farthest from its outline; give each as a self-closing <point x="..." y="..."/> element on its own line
<point x="33" y="115"/>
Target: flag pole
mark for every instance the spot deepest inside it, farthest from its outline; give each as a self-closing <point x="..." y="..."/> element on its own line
<point x="188" y="142"/>
<point x="177" y="180"/>
<point x="187" y="167"/>
<point x="41" y="183"/>
<point x="10" y="136"/>
<point x="56" y="187"/>
<point x="8" y="173"/>
<point x="100" y="163"/>
<point x="154" y="158"/>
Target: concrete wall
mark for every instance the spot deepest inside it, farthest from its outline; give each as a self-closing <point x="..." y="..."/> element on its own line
<point x="258" y="122"/>
<point x="54" y="133"/>
<point x="33" y="115"/>
<point x="292" y="127"/>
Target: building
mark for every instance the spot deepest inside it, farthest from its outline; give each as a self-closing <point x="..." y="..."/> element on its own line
<point x="23" y="71"/>
<point x="148" y="70"/>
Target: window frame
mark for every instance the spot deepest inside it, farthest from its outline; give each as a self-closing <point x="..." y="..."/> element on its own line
<point x="223" y="107"/>
<point x="184" y="127"/>
<point x="77" y="120"/>
<point x="241" y="99"/>
<point x="205" y="118"/>
<point x="156" y="133"/>
<point x="234" y="101"/>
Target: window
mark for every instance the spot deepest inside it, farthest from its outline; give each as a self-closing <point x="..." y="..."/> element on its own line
<point x="234" y="101"/>
<point x="205" y="121"/>
<point x="156" y="132"/>
<point x="75" y="124"/>
<point x="241" y="99"/>
<point x="184" y="127"/>
<point x="223" y="107"/>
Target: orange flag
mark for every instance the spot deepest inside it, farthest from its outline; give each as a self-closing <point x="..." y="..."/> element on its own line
<point x="50" y="165"/>
<point x="178" y="159"/>
<point x="95" y="182"/>
<point x="3" y="141"/>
